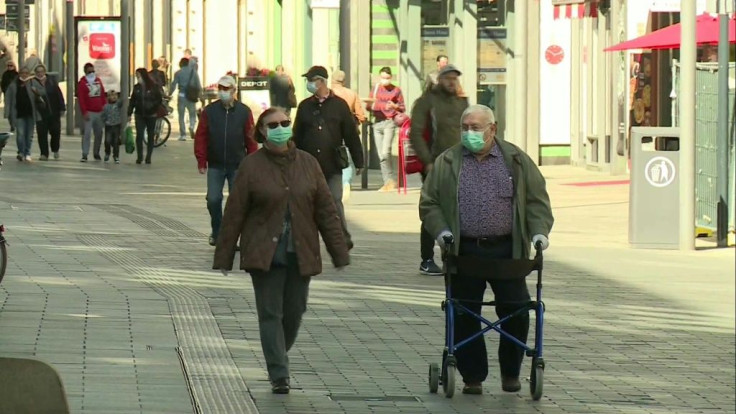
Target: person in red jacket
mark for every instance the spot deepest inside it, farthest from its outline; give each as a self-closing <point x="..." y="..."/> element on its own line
<point x="224" y="137"/>
<point x="91" y="96"/>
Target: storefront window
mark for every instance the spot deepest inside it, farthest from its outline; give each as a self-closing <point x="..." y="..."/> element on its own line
<point x="434" y="12"/>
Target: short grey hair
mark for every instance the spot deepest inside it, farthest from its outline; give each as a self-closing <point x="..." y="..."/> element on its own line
<point x="488" y="112"/>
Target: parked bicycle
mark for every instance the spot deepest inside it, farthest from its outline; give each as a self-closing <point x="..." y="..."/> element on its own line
<point x="163" y="126"/>
<point x="3" y="252"/>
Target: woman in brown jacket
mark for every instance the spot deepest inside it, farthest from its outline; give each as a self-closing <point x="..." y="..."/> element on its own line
<point x="278" y="206"/>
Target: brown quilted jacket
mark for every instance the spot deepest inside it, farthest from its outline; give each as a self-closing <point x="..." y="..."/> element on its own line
<point x="266" y="181"/>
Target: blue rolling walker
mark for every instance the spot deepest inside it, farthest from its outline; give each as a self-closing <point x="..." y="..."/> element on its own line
<point x="496" y="269"/>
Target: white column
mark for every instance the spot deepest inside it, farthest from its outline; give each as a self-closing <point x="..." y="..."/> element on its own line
<point x="219" y="53"/>
<point x="288" y="39"/>
<point x="687" y="126"/>
<point x="179" y="35"/>
<point x="520" y="75"/>
<point x="321" y="37"/>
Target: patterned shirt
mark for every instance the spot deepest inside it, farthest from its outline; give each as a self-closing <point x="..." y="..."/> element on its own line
<point x="383" y="95"/>
<point x="485" y="196"/>
<point x="112" y="113"/>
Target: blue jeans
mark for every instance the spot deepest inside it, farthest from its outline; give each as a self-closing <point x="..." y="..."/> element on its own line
<point x="182" y="105"/>
<point x="24" y="139"/>
<point x="215" y="182"/>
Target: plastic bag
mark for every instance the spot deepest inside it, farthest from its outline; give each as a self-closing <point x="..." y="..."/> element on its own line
<point x="129" y="140"/>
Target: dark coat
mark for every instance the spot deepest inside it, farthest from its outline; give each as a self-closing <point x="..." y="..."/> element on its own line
<point x="145" y="102"/>
<point x="265" y="184"/>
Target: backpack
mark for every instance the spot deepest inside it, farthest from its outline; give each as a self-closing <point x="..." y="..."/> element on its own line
<point x="191" y="92"/>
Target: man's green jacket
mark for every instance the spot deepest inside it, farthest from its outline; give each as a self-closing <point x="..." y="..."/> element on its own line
<point x="438" y="206"/>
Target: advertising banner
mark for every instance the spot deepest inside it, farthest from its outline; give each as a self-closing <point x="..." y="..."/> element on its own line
<point x="491" y="56"/>
<point x="554" y="78"/>
<point x="435" y="42"/>
<point x="98" y="42"/>
<point x="254" y="92"/>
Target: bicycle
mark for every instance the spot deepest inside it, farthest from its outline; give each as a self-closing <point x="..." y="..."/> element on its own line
<point x="162" y="131"/>
<point x="3" y="252"/>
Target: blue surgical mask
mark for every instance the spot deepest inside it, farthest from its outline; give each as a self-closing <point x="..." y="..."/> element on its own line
<point x="279" y="135"/>
<point x="90" y="77"/>
<point x="312" y="87"/>
<point x="473" y="140"/>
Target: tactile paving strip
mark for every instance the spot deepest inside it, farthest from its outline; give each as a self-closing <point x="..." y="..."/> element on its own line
<point x="214" y="379"/>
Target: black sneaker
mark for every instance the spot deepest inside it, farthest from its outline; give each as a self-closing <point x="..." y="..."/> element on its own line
<point x="107" y="157"/>
<point x="212" y="240"/>
<point x="430" y="268"/>
<point x="98" y="158"/>
<point x="280" y="386"/>
<point x="84" y="159"/>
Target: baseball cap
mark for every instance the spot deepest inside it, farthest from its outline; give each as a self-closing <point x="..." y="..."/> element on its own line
<point x="447" y="69"/>
<point x="227" y="81"/>
<point x="338" y="76"/>
<point x="316" y="71"/>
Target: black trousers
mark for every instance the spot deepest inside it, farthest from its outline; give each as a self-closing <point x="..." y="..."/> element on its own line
<point x="426" y="240"/>
<point x="49" y="126"/>
<point x="472" y="359"/>
<point x="144" y="125"/>
<point x="112" y="140"/>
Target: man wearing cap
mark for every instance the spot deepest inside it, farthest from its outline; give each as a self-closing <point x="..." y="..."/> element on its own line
<point x="323" y="124"/>
<point x="438" y="110"/>
<point x="224" y="137"/>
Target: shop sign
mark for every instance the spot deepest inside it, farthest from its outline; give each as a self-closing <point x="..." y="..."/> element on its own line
<point x="492" y="63"/>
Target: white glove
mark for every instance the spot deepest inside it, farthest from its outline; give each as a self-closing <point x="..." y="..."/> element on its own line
<point x="542" y="239"/>
<point x="441" y="237"/>
<point x="224" y="272"/>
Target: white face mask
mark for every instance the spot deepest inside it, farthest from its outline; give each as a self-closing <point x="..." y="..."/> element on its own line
<point x="225" y="96"/>
<point x="385" y="82"/>
<point x="90" y="77"/>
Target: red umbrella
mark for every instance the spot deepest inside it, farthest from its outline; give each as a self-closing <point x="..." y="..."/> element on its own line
<point x="706" y="30"/>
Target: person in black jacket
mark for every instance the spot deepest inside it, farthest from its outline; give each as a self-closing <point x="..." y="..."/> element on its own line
<point x="51" y="108"/>
<point x="9" y="75"/>
<point x="145" y="100"/>
<point x="322" y="124"/>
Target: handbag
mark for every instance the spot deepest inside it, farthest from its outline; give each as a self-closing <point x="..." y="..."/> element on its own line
<point x="343" y="161"/>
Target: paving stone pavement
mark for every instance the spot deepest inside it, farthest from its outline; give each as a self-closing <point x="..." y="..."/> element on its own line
<point x="109" y="281"/>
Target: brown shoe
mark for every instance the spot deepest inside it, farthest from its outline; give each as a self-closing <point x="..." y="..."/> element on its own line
<point x="510" y="384"/>
<point x="473" y="388"/>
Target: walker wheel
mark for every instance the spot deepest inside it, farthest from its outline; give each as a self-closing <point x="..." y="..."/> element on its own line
<point x="434" y="377"/>
<point x="536" y="380"/>
<point x="448" y="380"/>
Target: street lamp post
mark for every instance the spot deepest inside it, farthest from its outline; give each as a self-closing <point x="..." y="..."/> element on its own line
<point x="71" y="60"/>
<point x="687" y="126"/>
<point x="722" y="146"/>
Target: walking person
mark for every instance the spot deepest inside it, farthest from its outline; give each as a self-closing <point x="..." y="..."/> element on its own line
<point x="144" y="101"/>
<point x="492" y="198"/>
<point x="20" y="109"/>
<point x="282" y="91"/>
<point x="187" y="81"/>
<point x="91" y="97"/>
<point x="112" y="115"/>
<point x="387" y="102"/>
<point x="356" y="107"/>
<point x="438" y="113"/>
<point x="51" y="107"/>
<point x="281" y="266"/>
<point x="325" y="128"/>
<point x="224" y="137"/>
<point x="9" y="75"/>
<point x="158" y="75"/>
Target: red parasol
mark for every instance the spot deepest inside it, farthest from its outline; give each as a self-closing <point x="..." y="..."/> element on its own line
<point x="706" y="29"/>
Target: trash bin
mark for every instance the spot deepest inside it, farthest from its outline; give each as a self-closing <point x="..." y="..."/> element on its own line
<point x="654" y="194"/>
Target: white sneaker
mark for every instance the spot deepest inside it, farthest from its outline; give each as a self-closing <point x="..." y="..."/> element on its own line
<point x="28" y="158"/>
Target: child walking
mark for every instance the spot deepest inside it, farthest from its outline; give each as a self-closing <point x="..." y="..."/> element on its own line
<point x="112" y="116"/>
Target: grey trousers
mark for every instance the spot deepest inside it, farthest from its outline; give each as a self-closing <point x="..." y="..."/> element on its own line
<point x="93" y="124"/>
<point x="281" y="300"/>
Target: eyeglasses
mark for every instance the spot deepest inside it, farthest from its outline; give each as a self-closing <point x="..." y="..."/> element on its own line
<point x="274" y="125"/>
<point x="476" y="128"/>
